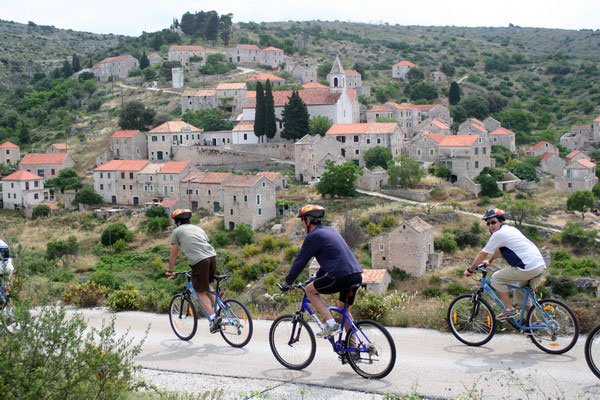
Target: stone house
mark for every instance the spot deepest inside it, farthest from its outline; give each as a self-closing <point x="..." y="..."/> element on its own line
<point x="271" y="56"/>
<point x="244" y="54"/>
<point x="301" y="71"/>
<point x="169" y="176"/>
<point x="353" y="79"/>
<point x="216" y="138"/>
<point x="472" y="126"/>
<point x="490" y="124"/>
<point x="413" y="118"/>
<point x="552" y="164"/>
<point x="46" y="165"/>
<point x="57" y="148"/>
<point x="578" y="175"/>
<point x="581" y="136"/>
<point x="115" y="67"/>
<point x="171" y="205"/>
<point x="278" y="179"/>
<point x="407" y="247"/>
<point x="596" y="130"/>
<point x="503" y="137"/>
<point x="243" y="133"/>
<point x="437" y="126"/>
<point x="22" y="189"/>
<point x="149" y="187"/>
<point x="400" y="69"/>
<point x="438" y="76"/>
<point x="577" y="155"/>
<point x="231" y="96"/>
<point x="154" y="58"/>
<point x="163" y="138"/>
<point x="198" y="99"/>
<point x="118" y="183"/>
<point x="541" y="148"/>
<point x="204" y="190"/>
<point x="129" y="145"/>
<point x="183" y="53"/>
<point x="248" y="199"/>
<point x="263" y="77"/>
<point x="376" y="280"/>
<point x="311" y="154"/>
<point x="9" y="153"/>
<point x="379" y="111"/>
<point x="373" y="179"/>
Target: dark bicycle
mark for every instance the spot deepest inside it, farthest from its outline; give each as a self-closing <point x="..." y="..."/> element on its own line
<point x="592" y="351"/>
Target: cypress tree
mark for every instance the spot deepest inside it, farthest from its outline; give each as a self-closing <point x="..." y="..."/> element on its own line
<point x="76" y="63"/>
<point x="454" y="95"/>
<point x="270" y="126"/>
<point x="67" y="70"/>
<point x="144" y="62"/>
<point x="295" y="118"/>
<point x="259" y="114"/>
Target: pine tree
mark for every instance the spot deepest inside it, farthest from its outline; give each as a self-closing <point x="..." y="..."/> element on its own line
<point x="454" y="95"/>
<point x="144" y="62"/>
<point x="259" y="114"/>
<point x="76" y="63"/>
<point x="212" y="28"/>
<point x="295" y="118"/>
<point x="270" y="126"/>
<point x="225" y="28"/>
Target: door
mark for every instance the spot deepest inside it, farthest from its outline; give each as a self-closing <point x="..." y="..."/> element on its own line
<point x="216" y="206"/>
<point x="214" y="142"/>
<point x="159" y="155"/>
<point x="113" y="199"/>
<point x="194" y="205"/>
<point x="231" y="225"/>
<point x="136" y="201"/>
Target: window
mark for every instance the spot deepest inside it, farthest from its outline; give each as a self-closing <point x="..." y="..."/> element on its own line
<point x="495" y="139"/>
<point x="124" y="141"/>
<point x="35" y="184"/>
<point x="171" y="188"/>
<point x="164" y="177"/>
<point x="468" y="165"/>
<point x="479" y="140"/>
<point x="476" y="150"/>
<point x="117" y="141"/>
<point x="381" y="247"/>
<point x="101" y="175"/>
<point x="124" y="187"/>
<point x="231" y="211"/>
<point x="36" y="196"/>
<point x="357" y="151"/>
<point x="258" y="199"/>
<point x="368" y="141"/>
<point x="431" y="152"/>
<point x="419" y="152"/>
<point x="52" y="172"/>
<point x="260" y="211"/>
<point x="234" y="198"/>
<point x="101" y="186"/>
<point x="40" y="172"/>
<point x="131" y="175"/>
<point x="209" y="192"/>
<point x="245" y="198"/>
<point x="476" y="164"/>
<point x="570" y="185"/>
<point x="163" y="138"/>
<point x="170" y="177"/>
<point x="484" y="150"/>
<point x="155" y="138"/>
<point x="264" y="184"/>
<point x="356" y="139"/>
<point x="245" y="136"/>
<point x="108" y="175"/>
<point x="130" y="187"/>
<point x="378" y="141"/>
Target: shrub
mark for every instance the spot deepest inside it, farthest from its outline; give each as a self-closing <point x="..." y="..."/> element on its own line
<point x="369" y="305"/>
<point x="435" y="280"/>
<point x="466" y="238"/>
<point x="446" y="243"/>
<point x="432" y="291"/>
<point x="267" y="264"/>
<point x="267" y="243"/>
<point x="281" y="243"/>
<point x="399" y="274"/>
<point x="127" y="298"/>
<point x="36" y="263"/>
<point x="237" y="282"/>
<point x="291" y="253"/>
<point x="250" y="250"/>
<point x="561" y="286"/>
<point x="87" y="294"/>
<point x="243" y="234"/>
<point x="60" y="248"/>
<point x="456" y="289"/>
<point x="156" y="211"/>
<point x="120" y="246"/>
<point x="578" y="237"/>
<point x="61" y="275"/>
<point x="389" y="221"/>
<point x="41" y="210"/>
<point x="104" y="278"/>
<point x="219" y="239"/>
<point x="158" y="224"/>
<point x="373" y="230"/>
<point x="114" y="232"/>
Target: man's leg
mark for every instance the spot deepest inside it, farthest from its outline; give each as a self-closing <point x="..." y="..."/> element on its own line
<point x="318" y="302"/>
<point x="207" y="302"/>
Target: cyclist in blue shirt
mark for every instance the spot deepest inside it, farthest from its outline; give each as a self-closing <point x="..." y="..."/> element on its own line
<point x="339" y="268"/>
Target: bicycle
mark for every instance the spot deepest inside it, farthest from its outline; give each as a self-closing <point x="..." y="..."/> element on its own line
<point x="6" y="308"/>
<point x="592" y="351"/>
<point x="236" y="323"/>
<point x="550" y="324"/>
<point x="368" y="346"/>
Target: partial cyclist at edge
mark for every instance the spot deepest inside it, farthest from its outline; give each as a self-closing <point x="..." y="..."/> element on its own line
<point x="339" y="271"/>
<point x="201" y="256"/>
<point x="7" y="271"/>
<point x="525" y="260"/>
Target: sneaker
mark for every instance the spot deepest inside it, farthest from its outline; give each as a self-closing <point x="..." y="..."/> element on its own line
<point x="215" y="325"/>
<point x="507" y="313"/>
<point x="330" y="331"/>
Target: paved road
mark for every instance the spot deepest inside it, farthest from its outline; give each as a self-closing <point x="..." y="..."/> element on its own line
<point x="431" y="363"/>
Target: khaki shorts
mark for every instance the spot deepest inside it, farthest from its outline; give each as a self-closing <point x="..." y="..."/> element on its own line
<point x="203" y="272"/>
<point x="514" y="276"/>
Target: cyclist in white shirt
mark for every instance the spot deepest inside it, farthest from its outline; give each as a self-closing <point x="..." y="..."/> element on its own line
<point x="525" y="260"/>
<point x="7" y="271"/>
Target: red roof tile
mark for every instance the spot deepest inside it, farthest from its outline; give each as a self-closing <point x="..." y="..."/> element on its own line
<point x="597" y="119"/>
<point x="200" y="92"/>
<point x="308" y="96"/>
<point x="369" y="127"/>
<point x="373" y="275"/>
<point x="405" y="64"/>
<point x="263" y="76"/>
<point x="270" y="175"/>
<point x="244" y="126"/>
<point x="37" y="158"/>
<point x="175" y="47"/>
<point x="206" y="177"/>
<point x="314" y="85"/>
<point x="125" y="134"/>
<point x="60" y="146"/>
<point x="242" y="180"/>
<point x="436" y="137"/>
<point x="123" y="165"/>
<point x="21" y="175"/>
<point x="351" y="72"/>
<point x="169" y="202"/>
<point x="586" y="163"/>
<point x="458" y="140"/>
<point x="547" y="156"/>
<point x="271" y="48"/>
<point x="175" y="126"/>
<point x="231" y="86"/>
<point x="114" y="59"/>
<point x="351" y="94"/>
<point x="8" y="145"/>
<point x="502" y="131"/>
<point x="573" y="153"/>
<point x="379" y="108"/>
<point x="249" y="46"/>
<point x="440" y="124"/>
<point x="52" y="206"/>
<point x="537" y="146"/>
<point x="173" y="167"/>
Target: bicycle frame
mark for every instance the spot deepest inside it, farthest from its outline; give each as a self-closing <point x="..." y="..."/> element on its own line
<point x="226" y="313"/>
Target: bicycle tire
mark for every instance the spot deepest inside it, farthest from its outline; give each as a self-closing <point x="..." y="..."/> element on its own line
<point x="239" y="326"/>
<point x="467" y="318"/>
<point x="284" y="346"/>
<point x="565" y="327"/>
<point x="592" y="351"/>
<point x="374" y="337"/>
<point x="183" y="317"/>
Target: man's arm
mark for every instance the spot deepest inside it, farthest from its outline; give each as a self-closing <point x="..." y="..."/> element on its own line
<point x="173" y="257"/>
<point x="493" y="257"/>
<point x="308" y="251"/>
<point x="478" y="260"/>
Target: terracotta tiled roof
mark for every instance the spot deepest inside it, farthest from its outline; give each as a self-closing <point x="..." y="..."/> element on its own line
<point x="436" y="137"/>
<point x="231" y="86"/>
<point x="502" y="131"/>
<point x="169" y="202"/>
<point x="379" y="108"/>
<point x="21" y="175"/>
<point x="458" y="140"/>
<point x="242" y="180"/>
<point x="271" y="48"/>
<point x="421" y="107"/>
<point x="308" y="96"/>
<point x="8" y="145"/>
<point x="440" y="124"/>
<point x="113" y="59"/>
<point x="200" y="92"/>
<point x="37" y="158"/>
<point x="537" y="146"/>
<point x="597" y="119"/>
<point x="373" y="275"/>
<point x="249" y="46"/>
<point x="314" y="85"/>
<point x="351" y="94"/>
<point x="405" y="64"/>
<point x="60" y="146"/>
<point x="123" y="165"/>
<point x="52" y="206"/>
<point x="244" y="126"/>
<point x="351" y="72"/>
<point x="573" y="153"/>
<point x="263" y="76"/>
<point x="369" y="127"/>
<point x="206" y="177"/>
<point x="586" y="163"/>
<point x="153" y="55"/>
<point x="175" y="47"/>
<point x="175" y="126"/>
<point x="480" y="128"/>
<point x="96" y="66"/>
<point x="476" y="121"/>
<point x="173" y="167"/>
<point x="547" y="156"/>
<point x="125" y="134"/>
<point x="270" y="175"/>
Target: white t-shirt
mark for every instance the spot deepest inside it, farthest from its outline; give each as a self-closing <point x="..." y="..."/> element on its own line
<point x="516" y="249"/>
<point x="6" y="269"/>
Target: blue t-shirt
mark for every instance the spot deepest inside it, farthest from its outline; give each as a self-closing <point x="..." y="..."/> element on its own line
<point x="330" y="250"/>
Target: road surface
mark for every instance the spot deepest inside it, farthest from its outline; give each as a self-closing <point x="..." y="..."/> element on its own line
<point x="431" y="363"/>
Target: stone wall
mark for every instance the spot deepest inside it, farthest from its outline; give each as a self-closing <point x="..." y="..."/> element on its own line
<point x="283" y="151"/>
<point x="210" y="156"/>
<point x="407" y="194"/>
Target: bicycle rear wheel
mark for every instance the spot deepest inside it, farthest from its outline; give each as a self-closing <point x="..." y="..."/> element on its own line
<point x="182" y="316"/>
<point x="292" y="342"/>
<point x="471" y="321"/>
<point x="376" y="350"/>
<point x="562" y="329"/>
<point x="592" y="351"/>
<point x="236" y="324"/>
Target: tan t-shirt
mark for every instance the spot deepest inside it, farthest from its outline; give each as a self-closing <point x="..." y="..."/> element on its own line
<point x="194" y="242"/>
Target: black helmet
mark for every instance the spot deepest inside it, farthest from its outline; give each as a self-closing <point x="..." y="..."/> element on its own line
<point x="494" y="212"/>
<point x="181" y="213"/>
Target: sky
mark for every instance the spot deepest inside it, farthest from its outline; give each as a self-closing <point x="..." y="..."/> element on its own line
<point x="132" y="17"/>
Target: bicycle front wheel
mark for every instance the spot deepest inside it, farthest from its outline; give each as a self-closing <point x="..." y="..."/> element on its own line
<point x="236" y="323"/>
<point x="182" y="315"/>
<point x="292" y="342"/>
<point x="562" y="327"/>
<point x="375" y="354"/>
<point x="471" y="321"/>
<point x="592" y="351"/>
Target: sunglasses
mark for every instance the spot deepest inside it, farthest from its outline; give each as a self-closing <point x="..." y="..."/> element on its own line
<point x="492" y="223"/>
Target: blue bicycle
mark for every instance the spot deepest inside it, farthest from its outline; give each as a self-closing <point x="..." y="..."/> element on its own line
<point x="550" y="324"/>
<point x="368" y="346"/>
<point x="236" y="323"/>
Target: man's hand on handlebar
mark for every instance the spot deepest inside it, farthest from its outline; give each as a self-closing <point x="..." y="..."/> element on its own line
<point x="170" y="274"/>
<point x="284" y="287"/>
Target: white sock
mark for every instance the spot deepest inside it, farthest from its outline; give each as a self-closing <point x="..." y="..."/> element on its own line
<point x="212" y="317"/>
<point x="330" y="322"/>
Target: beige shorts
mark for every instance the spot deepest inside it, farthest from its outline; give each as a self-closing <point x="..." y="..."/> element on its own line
<point x="514" y="276"/>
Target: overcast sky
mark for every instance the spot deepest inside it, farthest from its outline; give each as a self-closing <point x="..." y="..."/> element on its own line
<point x="132" y="17"/>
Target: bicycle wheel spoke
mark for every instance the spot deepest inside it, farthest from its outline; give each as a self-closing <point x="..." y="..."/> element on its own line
<point x="560" y="327"/>
<point x="182" y="316"/>
<point x="473" y="327"/>
<point x="236" y="324"/>
<point x="376" y="350"/>
<point x="292" y="342"/>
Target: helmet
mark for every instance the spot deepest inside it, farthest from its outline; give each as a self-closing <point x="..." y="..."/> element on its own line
<point x="312" y="211"/>
<point x="494" y="212"/>
<point x="181" y="213"/>
<point x="4" y="252"/>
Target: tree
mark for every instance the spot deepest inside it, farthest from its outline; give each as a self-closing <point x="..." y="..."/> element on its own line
<point x="415" y="75"/>
<point x="448" y="69"/>
<point x="377" y="156"/>
<point x="270" y="125"/>
<point x="454" y="95"/>
<point x="519" y="121"/>
<point x="519" y="210"/>
<point x="225" y="28"/>
<point x="76" y="63"/>
<point x="476" y="106"/>
<point x="87" y="195"/>
<point x="319" y="125"/>
<point x="156" y="42"/>
<point x="212" y="27"/>
<point x="596" y="190"/>
<point x="324" y="69"/>
<point x="295" y="118"/>
<point x="404" y="171"/>
<point x="338" y="180"/>
<point x="67" y="179"/>
<point x="243" y="234"/>
<point x="209" y="119"/>
<point x="582" y="201"/>
<point x="134" y="115"/>
<point x="489" y="186"/>
<point x="24" y="134"/>
<point x="524" y="171"/>
<point x="156" y="212"/>
<point x="165" y="68"/>
<point x="67" y="69"/>
<point x="441" y="172"/>
<point x="41" y="210"/>
<point x="259" y="113"/>
<point x="421" y="91"/>
<point x="114" y="232"/>
<point x="144" y="62"/>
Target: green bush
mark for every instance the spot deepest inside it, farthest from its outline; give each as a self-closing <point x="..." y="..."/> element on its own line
<point x="435" y="280"/>
<point x="114" y="232"/>
<point x="250" y="250"/>
<point x="267" y="243"/>
<point x="237" y="282"/>
<point x="125" y="261"/>
<point x="158" y="224"/>
<point x="291" y="253"/>
<point x="61" y="275"/>
<point x="36" y="263"/>
<point x="219" y="239"/>
<point x="127" y="298"/>
<point x="446" y="243"/>
<point x="120" y="246"/>
<point x="41" y="210"/>
<point x="432" y="291"/>
<point x="243" y="234"/>
<point x="373" y="230"/>
<point x="561" y="286"/>
<point x="56" y="357"/>
<point x="156" y="212"/>
<point x="369" y="305"/>
<point x="388" y="221"/>
<point x="281" y="243"/>
<point x="267" y="264"/>
<point x="578" y="237"/>
<point x="456" y="289"/>
<point x="60" y="248"/>
<point x="464" y="238"/>
<point x="104" y="278"/>
<point x="87" y="294"/>
<point x="399" y="274"/>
